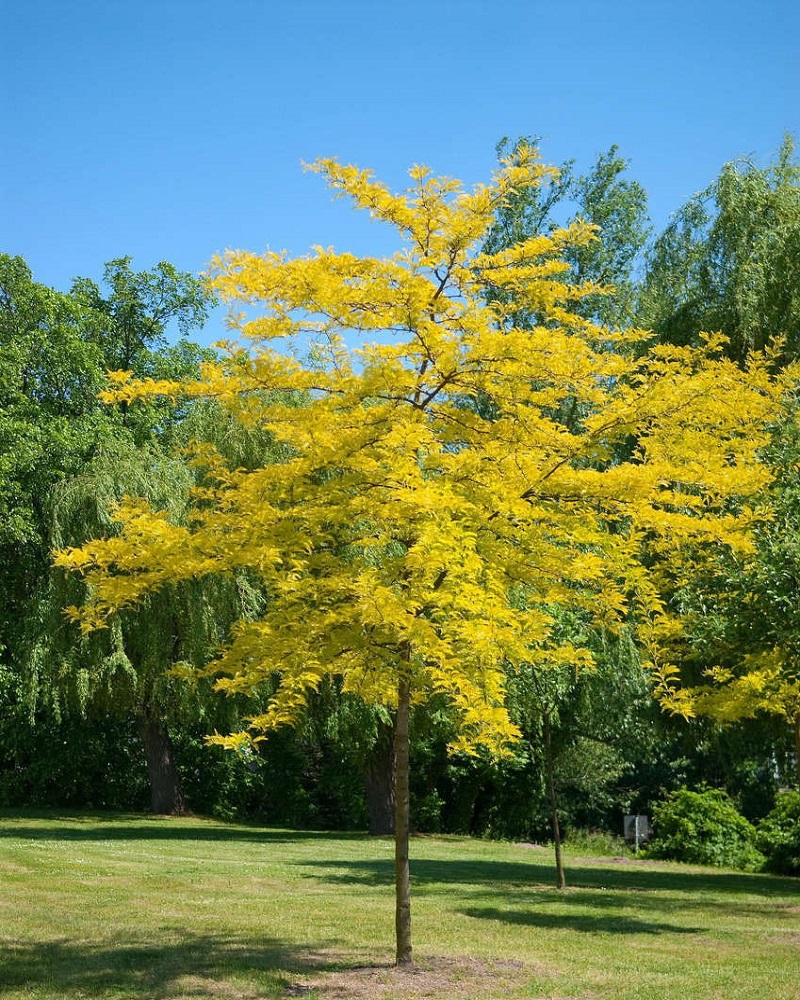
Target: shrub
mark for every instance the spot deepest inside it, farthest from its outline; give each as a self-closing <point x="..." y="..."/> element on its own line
<point x="778" y="835"/>
<point x="703" y="828"/>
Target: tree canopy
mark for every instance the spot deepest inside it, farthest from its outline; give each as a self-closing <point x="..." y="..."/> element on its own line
<point x="66" y="457"/>
<point x="729" y="260"/>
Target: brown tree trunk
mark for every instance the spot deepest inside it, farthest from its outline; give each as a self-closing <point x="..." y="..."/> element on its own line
<point x="797" y="748"/>
<point x="166" y="793"/>
<point x="401" y="826"/>
<point x="553" y="797"/>
<point x="379" y="783"/>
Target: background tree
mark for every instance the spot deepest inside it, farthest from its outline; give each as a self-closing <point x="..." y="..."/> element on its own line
<point x="134" y="310"/>
<point x="603" y="197"/>
<point x="730" y="260"/>
<point x="410" y="545"/>
<point x="617" y="205"/>
<point x="741" y="652"/>
<point x="65" y="456"/>
<point x="124" y="671"/>
<point x="50" y="423"/>
<point x="585" y="716"/>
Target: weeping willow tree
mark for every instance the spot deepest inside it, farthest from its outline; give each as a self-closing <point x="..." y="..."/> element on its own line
<point x="66" y="456"/>
<point x="729" y="260"/>
<point x="128" y="670"/>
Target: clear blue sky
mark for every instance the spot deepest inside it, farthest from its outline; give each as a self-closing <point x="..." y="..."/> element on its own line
<point x="172" y="129"/>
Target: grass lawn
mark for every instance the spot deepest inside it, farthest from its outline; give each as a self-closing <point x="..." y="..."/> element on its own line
<point x="129" y="906"/>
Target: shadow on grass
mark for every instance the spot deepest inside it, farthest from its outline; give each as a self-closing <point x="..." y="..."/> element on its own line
<point x="611" y="923"/>
<point x="427" y="873"/>
<point x="103" y="827"/>
<point x="190" y="965"/>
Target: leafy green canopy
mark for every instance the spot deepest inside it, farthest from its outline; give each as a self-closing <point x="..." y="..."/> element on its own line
<point x="730" y="260"/>
<point x="66" y="457"/>
<point x="604" y="197"/>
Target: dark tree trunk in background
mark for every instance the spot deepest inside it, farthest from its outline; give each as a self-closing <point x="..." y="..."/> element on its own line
<point x="401" y="827"/>
<point x="166" y="794"/>
<point x="797" y="747"/>
<point x="379" y="783"/>
<point x="553" y="796"/>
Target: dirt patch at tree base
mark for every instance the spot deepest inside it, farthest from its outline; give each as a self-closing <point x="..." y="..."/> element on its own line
<point x="431" y="978"/>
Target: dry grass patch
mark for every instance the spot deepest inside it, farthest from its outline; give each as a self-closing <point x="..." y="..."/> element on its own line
<point x="196" y="987"/>
<point x="437" y="977"/>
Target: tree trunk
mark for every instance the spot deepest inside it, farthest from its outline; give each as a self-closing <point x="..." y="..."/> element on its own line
<point x="552" y="795"/>
<point x="379" y="783"/>
<point x="797" y="748"/>
<point x="401" y="826"/>
<point x="166" y="794"/>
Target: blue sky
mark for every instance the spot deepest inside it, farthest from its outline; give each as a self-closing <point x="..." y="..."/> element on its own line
<point x="172" y="129"/>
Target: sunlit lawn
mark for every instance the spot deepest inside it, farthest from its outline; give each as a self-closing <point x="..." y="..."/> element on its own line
<point x="128" y="906"/>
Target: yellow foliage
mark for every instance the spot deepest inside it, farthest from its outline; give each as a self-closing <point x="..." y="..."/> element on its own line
<point x="432" y="473"/>
<point x="768" y="684"/>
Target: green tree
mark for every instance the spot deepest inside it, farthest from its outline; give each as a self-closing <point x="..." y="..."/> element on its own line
<point x="49" y="415"/>
<point x="50" y="423"/>
<point x="124" y="671"/>
<point x="65" y="456"/>
<point x="729" y="260"/>
<point x="603" y="197"/>
<point x="586" y="718"/>
<point x="134" y="310"/>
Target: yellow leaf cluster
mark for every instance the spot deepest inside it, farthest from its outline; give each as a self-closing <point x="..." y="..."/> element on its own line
<point x="768" y="683"/>
<point x="448" y="478"/>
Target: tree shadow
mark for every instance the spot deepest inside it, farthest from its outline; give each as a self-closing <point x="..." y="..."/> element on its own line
<point x="191" y="965"/>
<point x="526" y="876"/>
<point x="615" y="903"/>
<point x="75" y="827"/>
<point x="610" y="923"/>
<point x="612" y="893"/>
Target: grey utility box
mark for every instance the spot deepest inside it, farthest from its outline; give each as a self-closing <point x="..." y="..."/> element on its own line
<point x="637" y="830"/>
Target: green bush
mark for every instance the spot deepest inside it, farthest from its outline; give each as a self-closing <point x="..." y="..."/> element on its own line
<point x="703" y="828"/>
<point x="778" y="836"/>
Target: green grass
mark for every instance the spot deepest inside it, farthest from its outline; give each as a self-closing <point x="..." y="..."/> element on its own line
<point x="119" y="907"/>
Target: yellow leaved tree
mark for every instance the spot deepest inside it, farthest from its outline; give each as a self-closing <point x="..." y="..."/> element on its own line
<point x="448" y="481"/>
